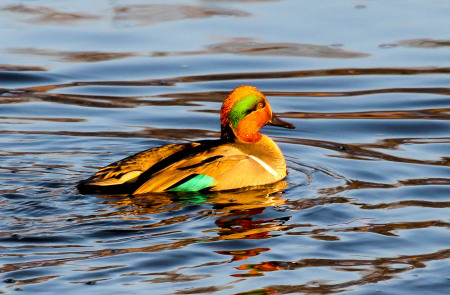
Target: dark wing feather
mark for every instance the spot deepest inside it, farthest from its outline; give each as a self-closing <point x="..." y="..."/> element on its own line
<point x="128" y="170"/>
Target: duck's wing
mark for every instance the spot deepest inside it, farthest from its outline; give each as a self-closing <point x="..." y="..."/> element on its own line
<point x="218" y="168"/>
<point x="129" y="169"/>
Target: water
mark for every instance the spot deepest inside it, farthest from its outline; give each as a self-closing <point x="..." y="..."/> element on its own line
<point x="364" y="209"/>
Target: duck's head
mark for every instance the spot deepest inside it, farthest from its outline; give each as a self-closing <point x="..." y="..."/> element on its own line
<point x="244" y="112"/>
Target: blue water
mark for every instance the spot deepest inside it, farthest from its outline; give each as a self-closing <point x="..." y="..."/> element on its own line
<point x="364" y="209"/>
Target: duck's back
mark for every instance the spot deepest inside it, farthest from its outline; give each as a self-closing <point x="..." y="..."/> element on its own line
<point x="123" y="175"/>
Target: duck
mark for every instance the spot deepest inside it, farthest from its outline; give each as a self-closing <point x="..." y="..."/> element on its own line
<point x="241" y="158"/>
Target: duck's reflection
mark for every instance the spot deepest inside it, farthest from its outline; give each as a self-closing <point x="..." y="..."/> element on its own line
<point x="236" y="214"/>
<point x="236" y="210"/>
<point x="224" y="202"/>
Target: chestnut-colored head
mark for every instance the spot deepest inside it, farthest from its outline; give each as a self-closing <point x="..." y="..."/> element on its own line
<point x="244" y="112"/>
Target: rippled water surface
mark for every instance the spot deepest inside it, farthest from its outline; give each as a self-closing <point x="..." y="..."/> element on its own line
<point x="364" y="209"/>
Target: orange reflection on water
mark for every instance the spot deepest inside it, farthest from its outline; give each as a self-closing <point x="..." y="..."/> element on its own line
<point x="242" y="225"/>
<point x="243" y="254"/>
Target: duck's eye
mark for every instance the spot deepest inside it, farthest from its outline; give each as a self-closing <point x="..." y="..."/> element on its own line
<point x="260" y="105"/>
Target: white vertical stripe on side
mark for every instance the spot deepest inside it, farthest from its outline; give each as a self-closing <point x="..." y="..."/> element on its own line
<point x="264" y="164"/>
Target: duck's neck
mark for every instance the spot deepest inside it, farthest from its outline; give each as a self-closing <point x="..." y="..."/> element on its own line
<point x="227" y="133"/>
<point x="244" y="135"/>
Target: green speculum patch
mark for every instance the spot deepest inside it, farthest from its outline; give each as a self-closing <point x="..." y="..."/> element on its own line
<point x="195" y="184"/>
<point x="242" y="108"/>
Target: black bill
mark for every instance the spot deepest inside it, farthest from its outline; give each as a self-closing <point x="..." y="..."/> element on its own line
<point x="281" y="123"/>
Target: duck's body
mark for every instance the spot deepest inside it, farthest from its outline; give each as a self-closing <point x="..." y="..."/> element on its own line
<point x="242" y="157"/>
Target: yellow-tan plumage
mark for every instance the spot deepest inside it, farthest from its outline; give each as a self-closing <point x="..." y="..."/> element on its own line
<point x="243" y="157"/>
